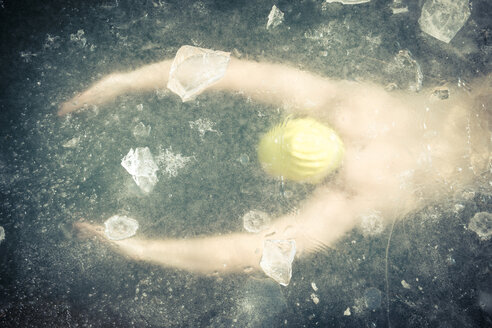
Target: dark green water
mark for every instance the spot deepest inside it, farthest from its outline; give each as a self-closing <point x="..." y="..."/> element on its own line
<point x="52" y="50"/>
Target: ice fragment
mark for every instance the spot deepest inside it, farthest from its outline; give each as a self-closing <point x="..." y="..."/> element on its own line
<point x="120" y="227"/>
<point x="2" y="234"/>
<point x="256" y="221"/>
<point x="194" y="69"/>
<point x="481" y="224"/>
<point x="405" y="284"/>
<point x="314" y="298"/>
<point x="277" y="258"/>
<point x="349" y="2"/>
<point x="442" y="19"/>
<point x="72" y="143"/>
<point x="141" y="130"/>
<point x="275" y="18"/>
<point x="140" y="164"/>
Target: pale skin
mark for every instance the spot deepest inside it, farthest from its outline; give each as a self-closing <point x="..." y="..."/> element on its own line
<point x="402" y="151"/>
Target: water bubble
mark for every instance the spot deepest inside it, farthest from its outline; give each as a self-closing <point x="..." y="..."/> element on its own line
<point x="243" y="159"/>
<point x="120" y="227"/>
<point x="372" y="297"/>
<point x="256" y="221"/>
<point x="371" y="224"/>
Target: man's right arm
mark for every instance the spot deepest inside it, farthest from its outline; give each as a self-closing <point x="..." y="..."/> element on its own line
<point x="276" y="84"/>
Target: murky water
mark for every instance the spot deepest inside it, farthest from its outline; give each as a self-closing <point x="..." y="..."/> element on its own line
<point x="55" y="171"/>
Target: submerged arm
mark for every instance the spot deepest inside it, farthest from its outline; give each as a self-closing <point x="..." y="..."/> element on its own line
<point x="323" y="221"/>
<point x="144" y="79"/>
<point x="264" y="82"/>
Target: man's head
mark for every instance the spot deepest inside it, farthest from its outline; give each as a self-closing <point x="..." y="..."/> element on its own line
<point x="301" y="149"/>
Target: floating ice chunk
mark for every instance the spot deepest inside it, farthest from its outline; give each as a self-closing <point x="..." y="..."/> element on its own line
<point x="141" y="130"/>
<point x="172" y="162"/>
<point x="275" y="18"/>
<point x="140" y="164"/>
<point x="2" y="234"/>
<point x="481" y="224"/>
<point x="277" y="258"/>
<point x="442" y="19"/>
<point x="194" y="69"/>
<point x="256" y="221"/>
<point x="349" y="2"/>
<point x="120" y="227"/>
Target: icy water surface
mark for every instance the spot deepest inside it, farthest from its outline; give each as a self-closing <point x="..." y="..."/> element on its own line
<point x="54" y="171"/>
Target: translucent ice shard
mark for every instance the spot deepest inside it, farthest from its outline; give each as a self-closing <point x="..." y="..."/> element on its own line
<point x="275" y="18"/>
<point x="481" y="224"/>
<point x="256" y="221"/>
<point x="277" y="259"/>
<point x="194" y="69"/>
<point x="444" y="18"/>
<point x="140" y="164"/>
<point x="120" y="227"/>
<point x="349" y="2"/>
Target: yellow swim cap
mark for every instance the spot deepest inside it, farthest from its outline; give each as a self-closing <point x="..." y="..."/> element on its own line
<point x="301" y="149"/>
